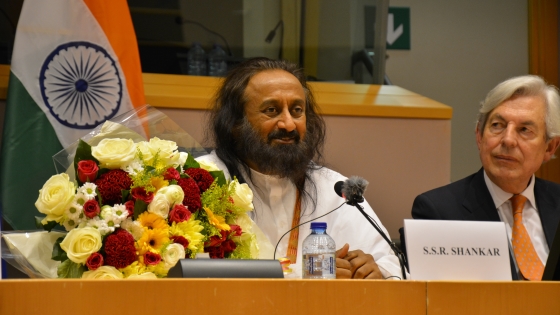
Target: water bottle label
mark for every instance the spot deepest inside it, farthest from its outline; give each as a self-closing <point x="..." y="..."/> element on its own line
<point x="319" y="266"/>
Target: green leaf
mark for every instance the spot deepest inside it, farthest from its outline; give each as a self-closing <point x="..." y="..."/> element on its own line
<point x="102" y="171"/>
<point x="99" y="198"/>
<point x="191" y="163"/>
<point x="219" y="177"/>
<point x="47" y="227"/>
<point x="70" y="269"/>
<point x="125" y="194"/>
<point x="139" y="207"/>
<point x="173" y="182"/>
<point x="58" y="253"/>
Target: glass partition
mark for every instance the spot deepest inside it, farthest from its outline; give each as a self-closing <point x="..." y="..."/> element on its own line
<point x="333" y="40"/>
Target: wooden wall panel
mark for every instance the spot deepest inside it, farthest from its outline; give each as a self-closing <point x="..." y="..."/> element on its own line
<point x="543" y="59"/>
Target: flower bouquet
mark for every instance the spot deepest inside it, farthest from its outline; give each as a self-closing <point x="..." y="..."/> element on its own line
<point x="134" y="207"/>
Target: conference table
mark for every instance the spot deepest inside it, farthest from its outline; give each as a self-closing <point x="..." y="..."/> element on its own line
<point x="276" y="296"/>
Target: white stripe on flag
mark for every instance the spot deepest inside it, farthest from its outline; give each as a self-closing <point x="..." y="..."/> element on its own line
<point x="42" y="28"/>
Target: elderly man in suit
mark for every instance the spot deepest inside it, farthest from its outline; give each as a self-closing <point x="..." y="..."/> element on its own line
<point x="518" y="130"/>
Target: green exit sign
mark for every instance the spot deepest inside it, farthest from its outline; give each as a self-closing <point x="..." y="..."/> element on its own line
<point x="398" y="28"/>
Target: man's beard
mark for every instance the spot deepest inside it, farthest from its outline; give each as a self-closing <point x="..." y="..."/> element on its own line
<point x="283" y="160"/>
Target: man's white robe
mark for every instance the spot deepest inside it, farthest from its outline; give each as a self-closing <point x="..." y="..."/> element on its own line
<point x="274" y="201"/>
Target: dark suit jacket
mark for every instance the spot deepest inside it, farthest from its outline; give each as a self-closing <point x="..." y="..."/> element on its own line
<point x="469" y="199"/>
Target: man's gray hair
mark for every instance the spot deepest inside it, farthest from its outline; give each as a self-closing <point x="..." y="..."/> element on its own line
<point x="527" y="85"/>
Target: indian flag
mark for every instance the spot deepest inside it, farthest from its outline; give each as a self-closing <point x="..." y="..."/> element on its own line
<point x="75" y="64"/>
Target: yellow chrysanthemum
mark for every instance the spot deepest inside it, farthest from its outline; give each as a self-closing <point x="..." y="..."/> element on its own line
<point x="133" y="269"/>
<point x="159" y="270"/>
<point x="159" y="182"/>
<point x="152" y="240"/>
<point x="152" y="221"/>
<point x="190" y="230"/>
<point x="216" y="220"/>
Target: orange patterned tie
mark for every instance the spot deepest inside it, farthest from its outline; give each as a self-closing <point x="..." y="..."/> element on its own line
<point x="527" y="259"/>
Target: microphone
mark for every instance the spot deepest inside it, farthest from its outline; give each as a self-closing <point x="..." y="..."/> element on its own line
<point x="352" y="190"/>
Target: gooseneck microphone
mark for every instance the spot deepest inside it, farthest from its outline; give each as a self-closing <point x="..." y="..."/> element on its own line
<point x="281" y="237"/>
<point x="353" y="190"/>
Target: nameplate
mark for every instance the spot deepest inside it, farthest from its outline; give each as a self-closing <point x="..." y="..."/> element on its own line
<point x="457" y="250"/>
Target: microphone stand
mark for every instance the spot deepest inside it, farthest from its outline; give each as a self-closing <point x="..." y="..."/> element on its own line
<point x="271" y="35"/>
<point x="355" y="202"/>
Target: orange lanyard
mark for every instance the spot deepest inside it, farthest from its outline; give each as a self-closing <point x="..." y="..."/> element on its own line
<point x="291" y="253"/>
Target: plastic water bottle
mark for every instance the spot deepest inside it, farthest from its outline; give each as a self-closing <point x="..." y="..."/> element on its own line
<point x="196" y="60"/>
<point x="319" y="260"/>
<point x="217" y="66"/>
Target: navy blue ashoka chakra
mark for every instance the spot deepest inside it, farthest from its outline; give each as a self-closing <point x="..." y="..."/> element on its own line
<point x="80" y="84"/>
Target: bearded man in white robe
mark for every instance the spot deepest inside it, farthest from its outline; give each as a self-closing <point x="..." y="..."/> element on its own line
<point x="268" y="133"/>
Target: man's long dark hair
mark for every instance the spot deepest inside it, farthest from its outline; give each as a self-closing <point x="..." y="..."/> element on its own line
<point x="228" y="114"/>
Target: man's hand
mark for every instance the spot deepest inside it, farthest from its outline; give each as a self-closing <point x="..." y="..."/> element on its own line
<point x="355" y="265"/>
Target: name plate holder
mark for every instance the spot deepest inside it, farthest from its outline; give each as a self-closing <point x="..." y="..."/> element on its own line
<point x="457" y="250"/>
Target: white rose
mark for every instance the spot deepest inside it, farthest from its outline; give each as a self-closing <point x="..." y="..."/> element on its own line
<point x="142" y="276"/>
<point x="104" y="273"/>
<point x="172" y="254"/>
<point x="173" y="193"/>
<point x="182" y="159"/>
<point x="159" y="206"/>
<point x="114" y="153"/>
<point x="243" y="196"/>
<point x="207" y="165"/>
<point x="147" y="154"/>
<point x="166" y="150"/>
<point x="79" y="244"/>
<point x="55" y="197"/>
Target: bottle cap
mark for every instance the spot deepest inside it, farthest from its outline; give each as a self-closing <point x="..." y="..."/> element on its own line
<point x="318" y="225"/>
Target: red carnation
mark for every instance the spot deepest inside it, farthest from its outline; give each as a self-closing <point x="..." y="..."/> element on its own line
<point x="217" y="240"/>
<point x="129" y="207"/>
<point x="192" y="194"/>
<point x="94" y="261"/>
<point x="110" y="185"/>
<point x="235" y="230"/>
<point x="171" y="173"/>
<point x="228" y="246"/>
<point x="151" y="258"/>
<point x="215" y="252"/>
<point x="180" y="240"/>
<point x="119" y="249"/>
<point x="87" y="171"/>
<point x="91" y="208"/>
<point x="140" y="193"/>
<point x="179" y="213"/>
<point x="202" y="178"/>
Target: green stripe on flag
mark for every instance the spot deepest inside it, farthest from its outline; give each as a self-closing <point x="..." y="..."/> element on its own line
<point x="28" y="144"/>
